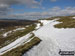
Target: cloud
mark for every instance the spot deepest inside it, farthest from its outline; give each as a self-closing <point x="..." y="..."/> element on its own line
<point x="55" y="11"/>
<point x="55" y="8"/>
<point x="29" y="3"/>
<point x="63" y="12"/>
<point x="5" y="5"/>
<point x="53" y="0"/>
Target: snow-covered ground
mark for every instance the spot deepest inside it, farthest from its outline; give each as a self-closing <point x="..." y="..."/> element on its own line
<point x="73" y="17"/>
<point x="2" y="29"/>
<point x="45" y="21"/>
<point x="38" y="26"/>
<point x="27" y="25"/>
<point x="53" y="39"/>
<point x="18" y="42"/>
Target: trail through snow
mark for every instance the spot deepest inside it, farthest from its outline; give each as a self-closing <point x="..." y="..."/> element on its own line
<point x="53" y="39"/>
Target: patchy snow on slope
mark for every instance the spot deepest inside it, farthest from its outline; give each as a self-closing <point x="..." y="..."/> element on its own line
<point x="53" y="39"/>
<point x="73" y="17"/>
<point x="27" y="25"/>
<point x="15" y="44"/>
<point x="5" y="34"/>
<point x="19" y="29"/>
<point x="38" y="26"/>
<point x="2" y="29"/>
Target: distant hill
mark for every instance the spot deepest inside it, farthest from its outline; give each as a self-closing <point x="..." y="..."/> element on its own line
<point x="15" y="22"/>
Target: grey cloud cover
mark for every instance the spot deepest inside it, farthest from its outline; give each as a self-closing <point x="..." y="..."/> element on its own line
<point x="55" y="11"/>
<point x="5" y="4"/>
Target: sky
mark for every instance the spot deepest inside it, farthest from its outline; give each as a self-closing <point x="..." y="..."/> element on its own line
<point x="35" y="9"/>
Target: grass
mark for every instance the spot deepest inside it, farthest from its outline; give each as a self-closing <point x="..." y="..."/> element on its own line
<point x="14" y="36"/>
<point x="67" y="22"/>
<point x="54" y="17"/>
<point x="19" y="51"/>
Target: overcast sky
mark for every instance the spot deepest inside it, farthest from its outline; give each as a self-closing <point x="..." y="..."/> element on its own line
<point x="35" y="9"/>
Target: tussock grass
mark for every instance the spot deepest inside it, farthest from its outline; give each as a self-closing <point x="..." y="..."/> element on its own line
<point x="19" y="51"/>
<point x="67" y="22"/>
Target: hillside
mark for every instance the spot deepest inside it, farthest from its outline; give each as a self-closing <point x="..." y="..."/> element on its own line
<point x="14" y="22"/>
<point x="54" y="38"/>
<point x="56" y="33"/>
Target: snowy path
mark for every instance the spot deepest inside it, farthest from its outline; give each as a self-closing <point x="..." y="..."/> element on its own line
<point x="53" y="39"/>
<point x="15" y="44"/>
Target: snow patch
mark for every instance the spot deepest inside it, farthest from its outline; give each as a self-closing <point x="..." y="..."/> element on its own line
<point x="38" y="26"/>
<point x="19" y="29"/>
<point x="73" y="17"/>
<point x="27" y="25"/>
<point x="5" y="34"/>
<point x="2" y="29"/>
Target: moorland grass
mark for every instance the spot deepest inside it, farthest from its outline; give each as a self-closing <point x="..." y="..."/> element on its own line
<point x="67" y="22"/>
<point x="19" y="51"/>
<point x="14" y="36"/>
